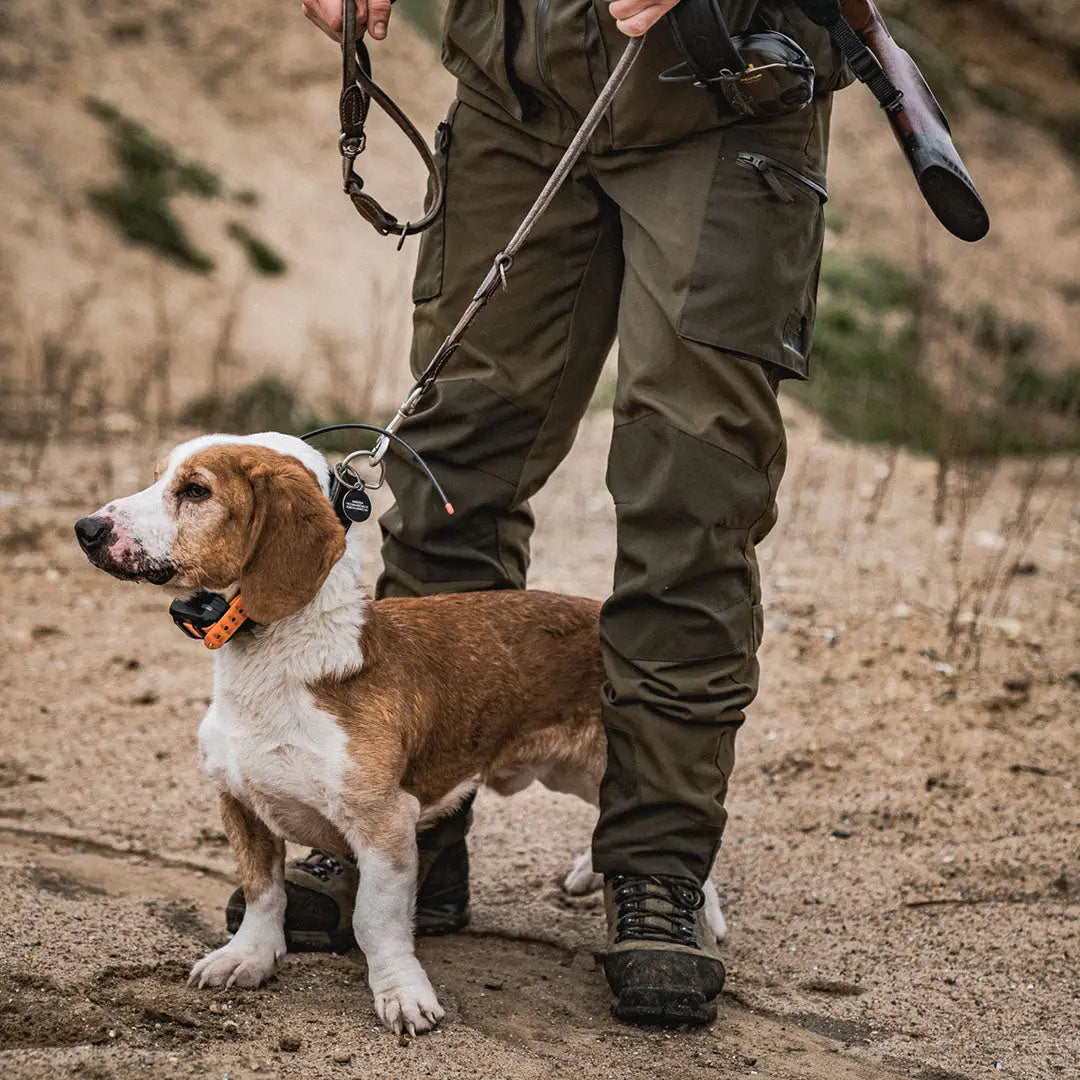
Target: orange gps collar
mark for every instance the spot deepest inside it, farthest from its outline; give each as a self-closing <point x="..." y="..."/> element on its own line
<point x="210" y="618"/>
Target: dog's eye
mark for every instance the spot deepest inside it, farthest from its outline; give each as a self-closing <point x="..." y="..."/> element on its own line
<point x="194" y="492"/>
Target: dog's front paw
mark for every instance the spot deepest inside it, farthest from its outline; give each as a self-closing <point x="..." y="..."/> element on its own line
<point x="582" y="879"/>
<point x="409" y="1005"/>
<point x="236" y="965"/>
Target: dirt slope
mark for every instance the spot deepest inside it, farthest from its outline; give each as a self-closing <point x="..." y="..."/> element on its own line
<point x="251" y="95"/>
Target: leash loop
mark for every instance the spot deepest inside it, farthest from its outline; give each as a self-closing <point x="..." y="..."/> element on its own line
<point x="358" y="90"/>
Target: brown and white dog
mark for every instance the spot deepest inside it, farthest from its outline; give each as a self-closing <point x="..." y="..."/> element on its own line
<point x="344" y="723"/>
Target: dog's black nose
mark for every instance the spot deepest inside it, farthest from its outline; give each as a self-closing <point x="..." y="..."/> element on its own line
<point x="93" y="532"/>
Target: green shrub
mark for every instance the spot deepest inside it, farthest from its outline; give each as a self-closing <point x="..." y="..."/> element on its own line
<point x="869" y="385"/>
<point x="139" y="204"/>
<point x="269" y="403"/>
<point x="150" y="223"/>
<point x="261" y="257"/>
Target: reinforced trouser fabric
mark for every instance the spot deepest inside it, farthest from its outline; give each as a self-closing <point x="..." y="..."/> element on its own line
<point x="704" y="268"/>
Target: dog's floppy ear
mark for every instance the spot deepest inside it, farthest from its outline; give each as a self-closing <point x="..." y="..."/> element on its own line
<point x="294" y="542"/>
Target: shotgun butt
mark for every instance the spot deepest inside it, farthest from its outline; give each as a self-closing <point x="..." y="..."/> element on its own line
<point x="915" y="115"/>
<point x="922" y="130"/>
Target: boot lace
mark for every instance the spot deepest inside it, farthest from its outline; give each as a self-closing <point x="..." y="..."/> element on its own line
<point x="320" y="865"/>
<point x="657" y="908"/>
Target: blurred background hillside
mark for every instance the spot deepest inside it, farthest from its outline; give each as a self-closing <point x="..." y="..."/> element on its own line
<point x="173" y="232"/>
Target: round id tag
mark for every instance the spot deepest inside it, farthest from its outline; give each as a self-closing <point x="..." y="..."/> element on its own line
<point x="356" y="505"/>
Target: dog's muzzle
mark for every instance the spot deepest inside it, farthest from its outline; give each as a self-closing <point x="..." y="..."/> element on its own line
<point x="95" y="534"/>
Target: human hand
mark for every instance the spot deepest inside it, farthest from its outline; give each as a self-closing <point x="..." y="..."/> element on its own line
<point x="371" y="15"/>
<point x="634" y="17"/>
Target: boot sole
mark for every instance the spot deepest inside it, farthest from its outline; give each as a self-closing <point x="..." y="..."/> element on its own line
<point x="658" y="1006"/>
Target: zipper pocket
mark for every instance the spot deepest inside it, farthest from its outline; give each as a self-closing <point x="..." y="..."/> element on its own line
<point x="543" y="65"/>
<point x="768" y="167"/>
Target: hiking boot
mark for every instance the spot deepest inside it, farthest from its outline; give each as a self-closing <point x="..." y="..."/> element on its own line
<point x="320" y="891"/>
<point x="661" y="961"/>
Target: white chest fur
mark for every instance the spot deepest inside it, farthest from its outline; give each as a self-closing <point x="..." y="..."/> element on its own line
<point x="264" y="740"/>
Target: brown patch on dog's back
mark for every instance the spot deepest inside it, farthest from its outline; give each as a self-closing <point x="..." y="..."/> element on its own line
<point x="471" y="685"/>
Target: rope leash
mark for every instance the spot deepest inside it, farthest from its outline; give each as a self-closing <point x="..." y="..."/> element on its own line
<point x="500" y="268"/>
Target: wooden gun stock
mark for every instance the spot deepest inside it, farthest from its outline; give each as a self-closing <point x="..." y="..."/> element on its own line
<point x="916" y="117"/>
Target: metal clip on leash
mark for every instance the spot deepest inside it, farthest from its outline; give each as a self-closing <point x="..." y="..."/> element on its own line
<point x="497" y="275"/>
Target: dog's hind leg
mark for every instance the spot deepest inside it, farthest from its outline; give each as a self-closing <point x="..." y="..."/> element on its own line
<point x="256" y="948"/>
<point x="383" y="839"/>
<point x="582" y="879"/>
<point x="714" y="917"/>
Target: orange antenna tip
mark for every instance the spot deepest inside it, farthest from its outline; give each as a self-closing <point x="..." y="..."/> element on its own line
<point x="449" y="508"/>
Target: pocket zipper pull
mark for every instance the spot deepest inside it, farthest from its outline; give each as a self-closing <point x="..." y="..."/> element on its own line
<point x="769" y="176"/>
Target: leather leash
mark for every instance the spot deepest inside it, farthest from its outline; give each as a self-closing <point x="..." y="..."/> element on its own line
<point x="358" y="90"/>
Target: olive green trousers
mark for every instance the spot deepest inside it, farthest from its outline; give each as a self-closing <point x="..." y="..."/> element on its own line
<point x="700" y="259"/>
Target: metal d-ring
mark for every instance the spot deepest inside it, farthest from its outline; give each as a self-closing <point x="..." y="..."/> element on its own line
<point x="347" y="477"/>
<point x="367" y="484"/>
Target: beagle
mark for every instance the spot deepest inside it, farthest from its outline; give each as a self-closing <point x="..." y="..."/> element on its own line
<point x="345" y="723"/>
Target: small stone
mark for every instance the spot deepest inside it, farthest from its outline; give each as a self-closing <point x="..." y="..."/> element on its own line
<point x="841" y="834"/>
<point x="342" y="1057"/>
<point x="216" y="1007"/>
<point x="493" y="984"/>
<point x="231" y="1026"/>
<point x="404" y="1041"/>
<point x="289" y="1043"/>
<point x="750" y="1061"/>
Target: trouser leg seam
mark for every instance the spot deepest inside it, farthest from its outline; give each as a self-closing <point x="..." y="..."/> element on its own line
<point x="566" y="357"/>
<point x="704" y="442"/>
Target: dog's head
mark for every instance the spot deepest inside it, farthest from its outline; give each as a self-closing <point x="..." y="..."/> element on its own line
<point x="226" y="510"/>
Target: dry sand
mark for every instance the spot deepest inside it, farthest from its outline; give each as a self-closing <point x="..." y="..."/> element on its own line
<point x="900" y="873"/>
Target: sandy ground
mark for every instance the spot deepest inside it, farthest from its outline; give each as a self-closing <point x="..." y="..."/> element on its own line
<point x="900" y="873"/>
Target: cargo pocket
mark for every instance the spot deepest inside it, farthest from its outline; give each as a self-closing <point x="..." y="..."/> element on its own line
<point x="753" y="287"/>
<point x="427" y="282"/>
